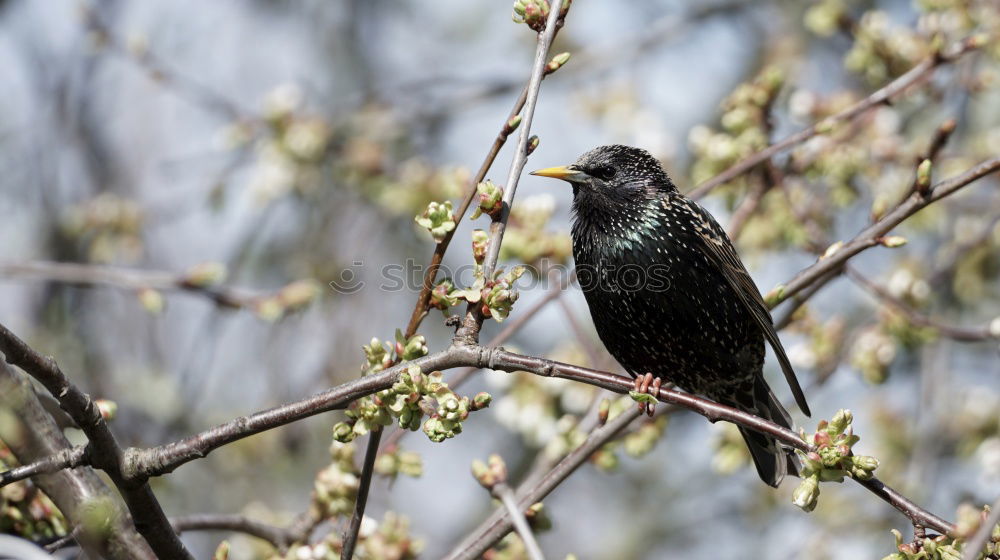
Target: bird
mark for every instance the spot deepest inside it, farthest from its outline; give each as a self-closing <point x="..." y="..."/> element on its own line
<point x="669" y="296"/>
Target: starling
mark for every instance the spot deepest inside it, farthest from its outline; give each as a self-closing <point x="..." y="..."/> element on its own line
<point x="668" y="294"/>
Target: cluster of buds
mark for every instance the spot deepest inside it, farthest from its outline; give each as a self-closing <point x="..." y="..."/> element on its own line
<point x="394" y="462"/>
<point x="641" y="441"/>
<point x="390" y="539"/>
<point x="534" y="13"/>
<point x="882" y="51"/>
<point x="939" y="547"/>
<point x="108" y="226"/>
<point x="490" y="200"/>
<point x="444" y="295"/>
<point x="381" y="355"/>
<point x="497" y="296"/>
<point x="336" y="487"/>
<point x="873" y="353"/>
<point x="412" y="396"/>
<point x="446" y="421"/>
<point x="438" y="219"/>
<point x="295" y="296"/>
<point x="744" y="123"/>
<point x="490" y="473"/>
<point x="831" y="460"/>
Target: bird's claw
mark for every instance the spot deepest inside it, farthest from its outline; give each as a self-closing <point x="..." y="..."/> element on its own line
<point x="648" y="384"/>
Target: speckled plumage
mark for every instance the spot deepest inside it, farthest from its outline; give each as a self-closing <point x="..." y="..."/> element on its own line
<point x="668" y="293"/>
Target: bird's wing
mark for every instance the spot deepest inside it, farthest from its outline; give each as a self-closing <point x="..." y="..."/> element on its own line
<point x="720" y="250"/>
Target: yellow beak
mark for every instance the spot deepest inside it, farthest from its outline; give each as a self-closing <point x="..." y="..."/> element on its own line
<point x="562" y="172"/>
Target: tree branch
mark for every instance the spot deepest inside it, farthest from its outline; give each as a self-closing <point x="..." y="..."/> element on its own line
<point x="277" y="536"/>
<point x="954" y="332"/>
<point x="499" y="523"/>
<point x="105" y="453"/>
<point x="886" y="93"/>
<point x="128" y="279"/>
<point x="468" y="333"/>
<point x="68" y="458"/>
<point x="34" y="435"/>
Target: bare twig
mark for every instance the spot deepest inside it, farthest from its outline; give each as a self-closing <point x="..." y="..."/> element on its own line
<point x="515" y="513"/>
<point x="127" y="278"/>
<point x="499" y="524"/>
<point x="106" y="453"/>
<point x="279" y="537"/>
<point x="872" y="235"/>
<point x="954" y="332"/>
<point x="66" y="459"/>
<point x="977" y="543"/>
<point x="367" y="469"/>
<point x="891" y="90"/>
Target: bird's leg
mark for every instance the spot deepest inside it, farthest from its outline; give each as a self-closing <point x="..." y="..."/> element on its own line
<point x="648" y="384"/>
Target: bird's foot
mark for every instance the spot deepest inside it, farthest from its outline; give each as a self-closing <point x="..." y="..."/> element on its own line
<point x="651" y="385"/>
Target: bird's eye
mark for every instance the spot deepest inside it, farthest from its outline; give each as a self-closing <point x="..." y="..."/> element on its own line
<point x="603" y="172"/>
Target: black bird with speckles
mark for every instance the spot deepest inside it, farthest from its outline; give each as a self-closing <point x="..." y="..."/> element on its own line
<point x="668" y="293"/>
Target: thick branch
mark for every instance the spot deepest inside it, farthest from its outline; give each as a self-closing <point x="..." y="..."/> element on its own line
<point x="105" y="454"/>
<point x="33" y="436"/>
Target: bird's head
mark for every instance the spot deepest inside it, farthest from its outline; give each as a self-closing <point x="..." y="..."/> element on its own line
<point x="612" y="179"/>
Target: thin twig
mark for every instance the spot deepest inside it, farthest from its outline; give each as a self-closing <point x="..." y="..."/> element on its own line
<point x="469" y="331"/>
<point x="872" y="235"/>
<point x="954" y="332"/>
<point x="66" y="459"/>
<point x="499" y="524"/>
<point x="891" y="90"/>
<point x="129" y="279"/>
<point x="280" y="538"/>
<point x="977" y="543"/>
<point x="351" y="534"/>
<point x="503" y="492"/>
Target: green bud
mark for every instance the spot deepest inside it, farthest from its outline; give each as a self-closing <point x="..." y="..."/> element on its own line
<point x="343" y="432"/>
<point x="151" y="300"/>
<point x="924" y="177"/>
<point x="775" y="296"/>
<point x="807" y="493"/>
<point x="480" y="242"/>
<point x="557" y="62"/>
<point x="532" y="144"/>
<point x="490" y="200"/>
<point x="512" y="124"/>
<point x="437" y="219"/>
<point x="841" y="420"/>
<point x="108" y="409"/>
<point x="481" y="400"/>
<point x="205" y="274"/>
<point x="221" y="551"/>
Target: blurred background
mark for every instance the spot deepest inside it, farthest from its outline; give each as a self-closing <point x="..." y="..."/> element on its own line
<point x="287" y="145"/>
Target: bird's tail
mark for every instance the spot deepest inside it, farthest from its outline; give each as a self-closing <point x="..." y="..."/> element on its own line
<point x="772" y="460"/>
